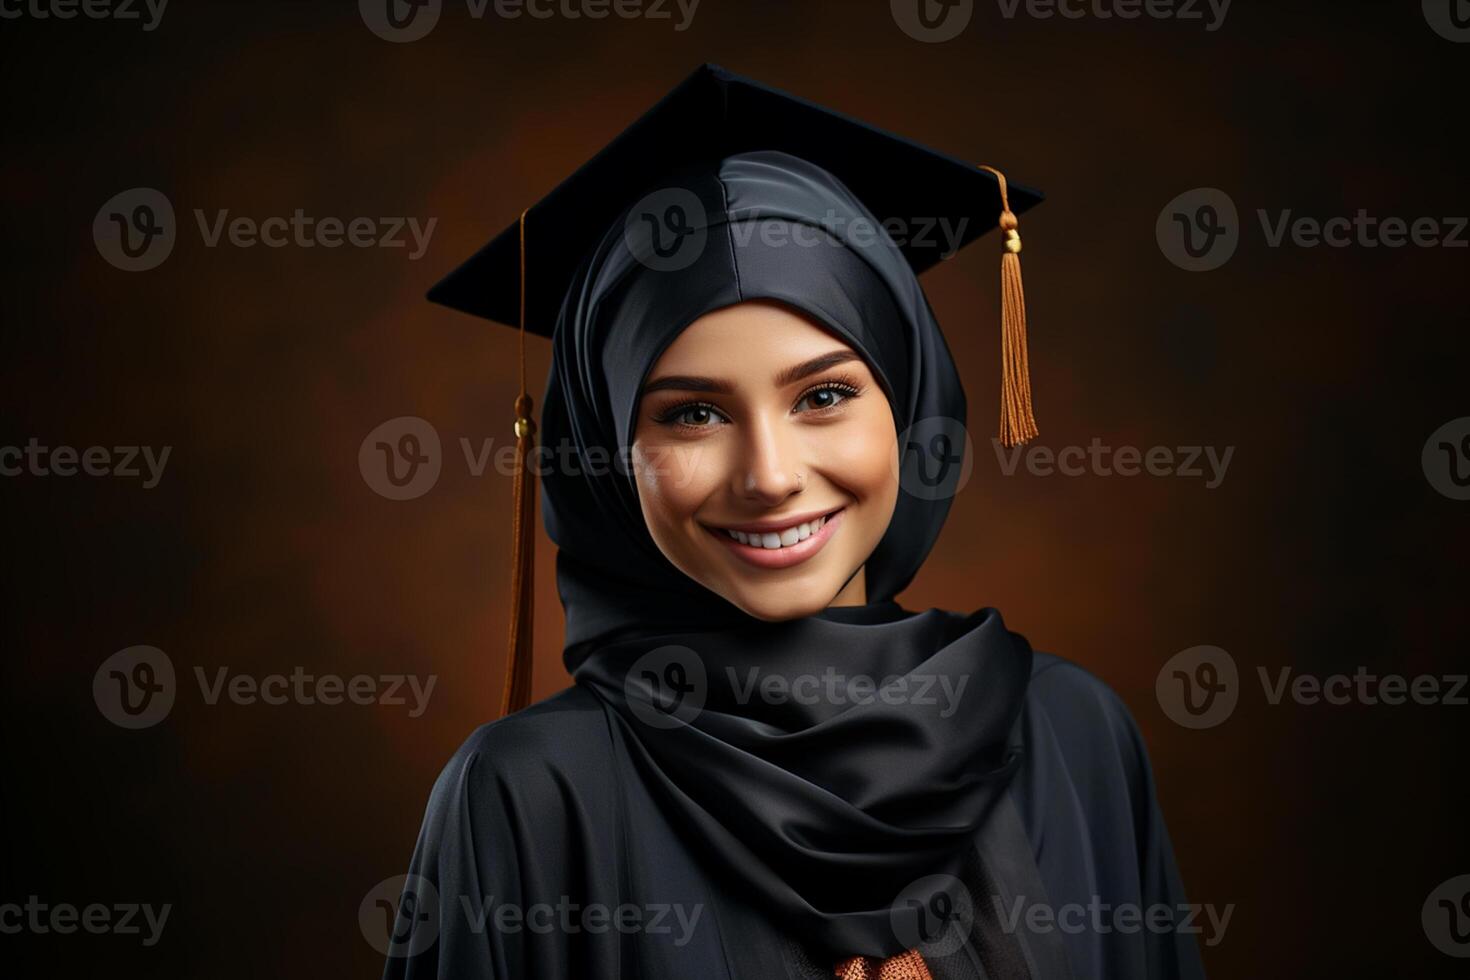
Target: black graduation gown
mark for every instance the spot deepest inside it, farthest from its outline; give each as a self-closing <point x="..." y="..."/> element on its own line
<point x="524" y="868"/>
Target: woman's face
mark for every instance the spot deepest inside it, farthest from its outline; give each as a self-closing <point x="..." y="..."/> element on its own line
<point x="765" y="458"/>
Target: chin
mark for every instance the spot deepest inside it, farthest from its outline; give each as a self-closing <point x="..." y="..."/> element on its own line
<point x="777" y="609"/>
<point x="775" y="602"/>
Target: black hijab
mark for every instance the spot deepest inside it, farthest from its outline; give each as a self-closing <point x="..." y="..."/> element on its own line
<point x="824" y="810"/>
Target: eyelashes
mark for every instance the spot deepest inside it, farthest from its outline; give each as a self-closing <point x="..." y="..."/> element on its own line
<point x="678" y="415"/>
<point x="845" y="387"/>
<point x="697" y="414"/>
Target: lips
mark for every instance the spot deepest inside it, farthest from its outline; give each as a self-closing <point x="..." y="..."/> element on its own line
<point x="782" y="543"/>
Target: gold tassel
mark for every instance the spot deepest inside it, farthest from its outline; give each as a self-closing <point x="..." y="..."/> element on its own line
<point x="1017" y="423"/>
<point x="517" y="692"/>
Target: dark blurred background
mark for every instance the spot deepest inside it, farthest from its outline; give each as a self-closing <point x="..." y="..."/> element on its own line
<point x="263" y="548"/>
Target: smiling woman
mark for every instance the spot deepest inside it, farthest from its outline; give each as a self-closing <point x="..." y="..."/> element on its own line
<point x="787" y="480"/>
<point x="756" y="740"/>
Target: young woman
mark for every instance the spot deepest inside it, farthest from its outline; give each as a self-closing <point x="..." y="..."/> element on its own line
<point x="766" y="767"/>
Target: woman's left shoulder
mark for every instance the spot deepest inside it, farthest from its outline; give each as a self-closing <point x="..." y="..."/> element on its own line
<point x="1057" y="677"/>
<point x="1080" y="709"/>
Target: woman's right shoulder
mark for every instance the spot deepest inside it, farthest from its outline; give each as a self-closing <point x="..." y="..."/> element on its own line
<point x="536" y="755"/>
<point x="535" y="783"/>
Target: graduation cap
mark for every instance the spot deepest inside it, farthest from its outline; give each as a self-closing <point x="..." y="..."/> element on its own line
<point x="713" y="114"/>
<point x="520" y="278"/>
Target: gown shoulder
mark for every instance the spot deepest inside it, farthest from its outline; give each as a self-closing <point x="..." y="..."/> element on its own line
<point x="1089" y="803"/>
<point x="523" y="784"/>
<point x="1089" y="726"/>
<point x="535" y="756"/>
<point x="1064" y="686"/>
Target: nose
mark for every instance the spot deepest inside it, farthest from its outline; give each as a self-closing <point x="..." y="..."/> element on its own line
<point x="771" y="468"/>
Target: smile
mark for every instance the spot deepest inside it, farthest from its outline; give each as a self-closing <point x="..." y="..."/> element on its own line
<point x="776" y="545"/>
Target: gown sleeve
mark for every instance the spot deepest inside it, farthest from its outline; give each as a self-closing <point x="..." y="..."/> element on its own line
<point x="1088" y="801"/>
<point x="519" y="841"/>
<point x="452" y="871"/>
<point x="1173" y="953"/>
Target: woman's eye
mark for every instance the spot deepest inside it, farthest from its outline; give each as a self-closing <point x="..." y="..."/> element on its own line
<point x="696" y="415"/>
<point x="821" y="398"/>
<point x="691" y="416"/>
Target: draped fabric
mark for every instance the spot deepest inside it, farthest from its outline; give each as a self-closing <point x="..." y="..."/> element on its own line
<point x="827" y="804"/>
<point x="541" y="831"/>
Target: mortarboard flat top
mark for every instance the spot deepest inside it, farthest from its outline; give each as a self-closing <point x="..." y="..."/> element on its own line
<point x="709" y="116"/>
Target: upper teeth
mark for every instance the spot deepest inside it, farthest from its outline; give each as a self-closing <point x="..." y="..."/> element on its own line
<point x="784" y="538"/>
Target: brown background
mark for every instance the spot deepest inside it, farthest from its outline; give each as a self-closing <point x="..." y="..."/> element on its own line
<point x="263" y="549"/>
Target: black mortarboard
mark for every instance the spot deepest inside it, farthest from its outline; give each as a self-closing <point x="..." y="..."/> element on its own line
<point x="712" y="114"/>
<point x="522" y="275"/>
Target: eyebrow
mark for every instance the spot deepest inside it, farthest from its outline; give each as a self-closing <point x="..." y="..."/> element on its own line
<point x="790" y="375"/>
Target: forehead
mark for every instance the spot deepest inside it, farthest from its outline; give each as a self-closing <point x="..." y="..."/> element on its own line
<point x="758" y="334"/>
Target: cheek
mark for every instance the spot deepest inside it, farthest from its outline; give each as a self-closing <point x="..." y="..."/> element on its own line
<point x="674" y="479"/>
<point x="862" y="458"/>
